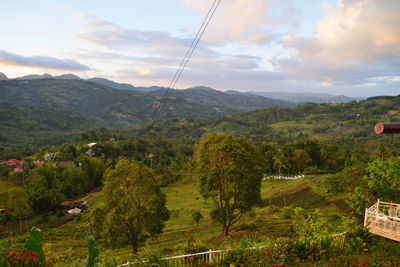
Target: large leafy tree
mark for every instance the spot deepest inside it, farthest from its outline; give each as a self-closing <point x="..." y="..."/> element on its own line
<point x="382" y="181"/>
<point x="134" y="206"/>
<point x="43" y="189"/>
<point x="94" y="169"/>
<point x="18" y="201"/>
<point x="230" y="173"/>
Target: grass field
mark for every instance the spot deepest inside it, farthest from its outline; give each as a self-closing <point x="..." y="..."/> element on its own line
<point x="68" y="241"/>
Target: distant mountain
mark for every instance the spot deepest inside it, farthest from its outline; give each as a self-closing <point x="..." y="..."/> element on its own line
<point x="34" y="77"/>
<point x="234" y="101"/>
<point x="36" y="110"/>
<point x="67" y="77"/>
<point x="48" y="76"/>
<point x="3" y="77"/>
<point x="123" y="86"/>
<point x="307" y="97"/>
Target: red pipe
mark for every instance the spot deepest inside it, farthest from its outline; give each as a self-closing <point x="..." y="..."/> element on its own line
<point x="387" y="128"/>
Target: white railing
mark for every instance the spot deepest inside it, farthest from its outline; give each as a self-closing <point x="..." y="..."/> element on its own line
<point x="384" y="219"/>
<point x="187" y="260"/>
<point x="382" y="211"/>
<point x="339" y="239"/>
<point x="218" y="255"/>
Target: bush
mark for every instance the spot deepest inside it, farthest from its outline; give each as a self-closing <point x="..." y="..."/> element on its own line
<point x="190" y="245"/>
<point x="271" y="209"/>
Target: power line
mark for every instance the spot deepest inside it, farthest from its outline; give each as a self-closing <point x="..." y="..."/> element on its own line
<point x="187" y="57"/>
<point x="184" y="59"/>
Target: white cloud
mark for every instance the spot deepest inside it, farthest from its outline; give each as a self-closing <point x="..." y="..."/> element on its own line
<point x="45" y="62"/>
<point x="235" y="20"/>
<point x="357" y="31"/>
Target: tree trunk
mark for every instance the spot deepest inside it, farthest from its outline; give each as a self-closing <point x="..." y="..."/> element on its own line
<point x="225" y="230"/>
<point x="134" y="242"/>
<point x="20" y="223"/>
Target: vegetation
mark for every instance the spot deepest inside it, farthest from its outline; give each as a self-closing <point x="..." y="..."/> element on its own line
<point x="134" y="207"/>
<point x="381" y="182"/>
<point x="52" y="111"/>
<point x="230" y="173"/>
<point x="205" y="173"/>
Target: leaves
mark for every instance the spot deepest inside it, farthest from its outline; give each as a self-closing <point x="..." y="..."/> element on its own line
<point x="93" y="257"/>
<point x="134" y="207"/>
<point x="34" y="243"/>
<point x="230" y="172"/>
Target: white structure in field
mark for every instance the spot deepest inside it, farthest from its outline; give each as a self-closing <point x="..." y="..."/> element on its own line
<point x="383" y="218"/>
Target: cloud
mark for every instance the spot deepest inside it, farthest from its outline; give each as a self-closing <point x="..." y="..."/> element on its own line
<point x="106" y="34"/>
<point x="154" y="49"/>
<point x="350" y="74"/>
<point x="354" y="43"/>
<point x="45" y="62"/>
<point x="236" y="20"/>
<point x="361" y="31"/>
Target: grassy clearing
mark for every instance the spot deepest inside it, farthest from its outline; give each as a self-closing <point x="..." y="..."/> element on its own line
<point x="184" y="199"/>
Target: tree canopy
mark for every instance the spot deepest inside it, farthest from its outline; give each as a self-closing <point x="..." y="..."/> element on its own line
<point x="381" y="182"/>
<point x="230" y="173"/>
<point x="134" y="206"/>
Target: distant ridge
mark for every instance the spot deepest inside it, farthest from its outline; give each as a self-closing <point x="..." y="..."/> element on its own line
<point x="287" y="98"/>
<point x="3" y="77"/>
<point x="123" y="86"/>
<point x="304" y="97"/>
<point x="49" y="76"/>
<point x="235" y="101"/>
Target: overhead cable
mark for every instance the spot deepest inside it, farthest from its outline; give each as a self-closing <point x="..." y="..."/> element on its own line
<point x="186" y="59"/>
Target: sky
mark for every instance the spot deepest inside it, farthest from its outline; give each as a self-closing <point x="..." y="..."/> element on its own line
<point x="342" y="47"/>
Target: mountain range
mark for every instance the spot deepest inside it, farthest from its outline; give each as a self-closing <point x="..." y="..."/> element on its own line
<point x="298" y="97"/>
<point x="304" y="97"/>
<point x="65" y="106"/>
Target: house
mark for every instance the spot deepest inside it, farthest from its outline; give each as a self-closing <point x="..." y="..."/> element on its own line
<point x="74" y="211"/>
<point x="50" y="156"/>
<point x="18" y="169"/>
<point x="13" y="162"/>
<point x="90" y="152"/>
<point x="67" y="205"/>
<point x="90" y="145"/>
<point x="5" y="211"/>
<point x="73" y="208"/>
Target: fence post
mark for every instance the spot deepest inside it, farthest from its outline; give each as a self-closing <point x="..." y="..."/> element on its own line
<point x="129" y="264"/>
<point x="377" y="209"/>
<point x="210" y="253"/>
<point x="365" y="218"/>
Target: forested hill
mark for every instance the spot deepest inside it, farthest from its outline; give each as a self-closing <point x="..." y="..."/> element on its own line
<point x="239" y="102"/>
<point x="233" y="100"/>
<point x="349" y="121"/>
<point x="42" y="111"/>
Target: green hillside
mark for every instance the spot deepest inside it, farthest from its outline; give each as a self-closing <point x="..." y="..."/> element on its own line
<point x="52" y="111"/>
<point x="348" y="121"/>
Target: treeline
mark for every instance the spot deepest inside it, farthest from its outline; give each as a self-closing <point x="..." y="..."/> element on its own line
<point x="71" y="172"/>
